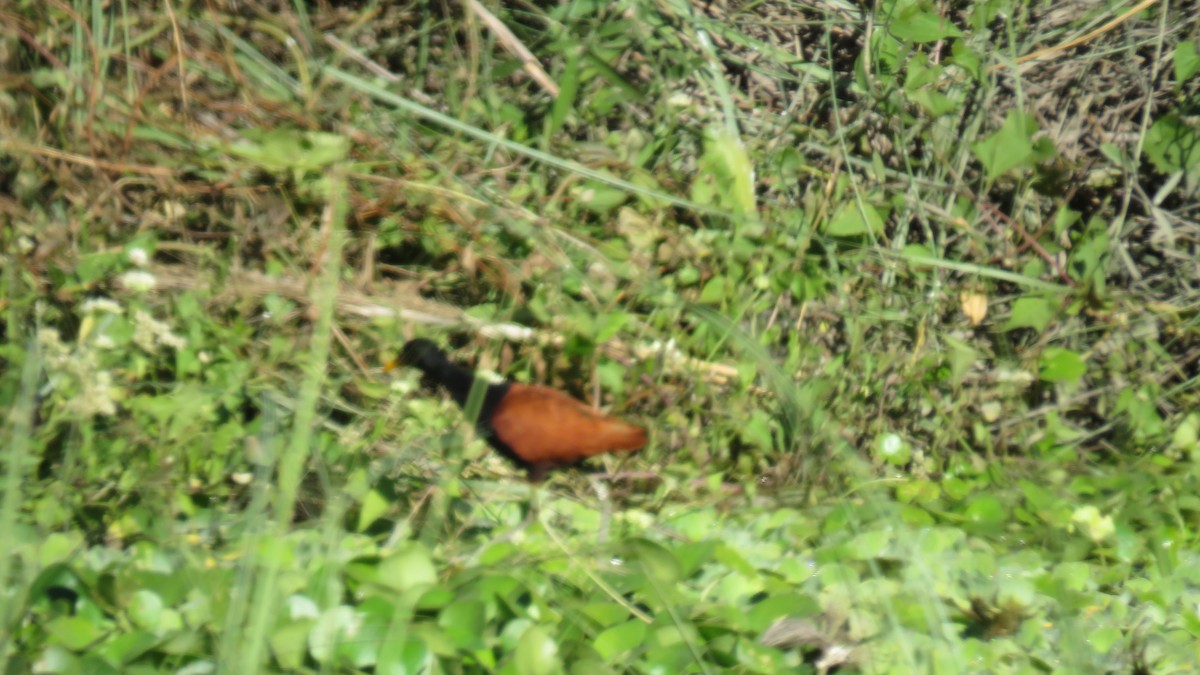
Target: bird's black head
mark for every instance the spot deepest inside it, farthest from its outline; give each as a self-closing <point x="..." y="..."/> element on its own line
<point x="421" y="353"/>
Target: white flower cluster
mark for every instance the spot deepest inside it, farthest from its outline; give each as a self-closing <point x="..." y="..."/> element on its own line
<point x="83" y="369"/>
<point x="150" y="333"/>
<point x="79" y="366"/>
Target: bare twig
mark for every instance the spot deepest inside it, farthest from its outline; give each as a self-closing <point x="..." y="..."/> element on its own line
<point x="514" y="47"/>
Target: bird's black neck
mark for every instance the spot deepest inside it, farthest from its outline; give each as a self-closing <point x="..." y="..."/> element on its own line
<point x="459" y="382"/>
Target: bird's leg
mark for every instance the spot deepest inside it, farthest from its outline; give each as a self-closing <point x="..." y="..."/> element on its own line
<point x="601" y="491"/>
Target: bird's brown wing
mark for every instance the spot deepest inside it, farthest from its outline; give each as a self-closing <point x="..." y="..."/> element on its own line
<point x="547" y="427"/>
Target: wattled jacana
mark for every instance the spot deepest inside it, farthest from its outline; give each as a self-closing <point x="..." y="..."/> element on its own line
<point x="538" y="428"/>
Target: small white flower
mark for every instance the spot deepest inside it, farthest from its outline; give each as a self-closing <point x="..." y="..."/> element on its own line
<point x="138" y="256"/>
<point x="679" y="99"/>
<point x="149" y="333"/>
<point x="1098" y="527"/>
<point x="100" y="305"/>
<point x="103" y="341"/>
<point x="138" y="281"/>
<point x="890" y="444"/>
<point x="49" y="337"/>
<point x="172" y="340"/>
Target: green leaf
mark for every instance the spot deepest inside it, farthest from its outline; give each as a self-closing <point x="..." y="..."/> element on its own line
<point x="657" y="562"/>
<point x="335" y="625"/>
<point x="124" y="649"/>
<point x="962" y="358"/>
<point x="1187" y="62"/>
<point x="289" y="643"/>
<point x="1010" y="147"/>
<point x="868" y="545"/>
<point x="620" y="640"/>
<point x="791" y="163"/>
<point x="599" y="198"/>
<point x="407" y="568"/>
<point x="411" y="655"/>
<point x="756" y="432"/>
<point x="966" y="58"/>
<point x="74" y="632"/>
<point x="1103" y="638"/>
<point x="1060" y="365"/>
<point x="1031" y="312"/>
<point x="145" y="609"/>
<point x="917" y="24"/>
<point x="95" y="266"/>
<point x="986" y="510"/>
<point x="368" y="633"/>
<point x="1173" y="144"/>
<point x="1139" y="406"/>
<point x="715" y="291"/>
<point x="284" y="149"/>
<point x="568" y="86"/>
<point x="537" y="653"/>
<point x="464" y="622"/>
<point x="727" y="166"/>
<point x="610" y="324"/>
<point x="935" y="103"/>
<point x="914" y="252"/>
<point x="1187" y="434"/>
<point x="851" y="221"/>
<point x="374" y="505"/>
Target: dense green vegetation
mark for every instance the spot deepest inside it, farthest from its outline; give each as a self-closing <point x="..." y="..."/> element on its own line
<point x="907" y="293"/>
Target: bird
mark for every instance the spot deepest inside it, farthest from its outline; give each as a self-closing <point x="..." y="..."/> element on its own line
<point x="537" y="428"/>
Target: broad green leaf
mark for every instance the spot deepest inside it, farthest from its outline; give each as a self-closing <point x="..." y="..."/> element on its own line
<point x="727" y="166"/>
<point x="95" y="266"/>
<point x="406" y="655"/>
<point x="1187" y="434"/>
<point x="407" y="568"/>
<point x="537" y="653"/>
<point x="374" y="505"/>
<point x="335" y="625"/>
<point x="1009" y="147"/>
<point x="1173" y="144"/>
<point x="464" y="622"/>
<point x="1142" y="412"/>
<point x="986" y="510"/>
<point x="610" y="324"/>
<point x="289" y="643"/>
<point x="1033" y="312"/>
<point x="145" y="609"/>
<point x="1060" y="365"/>
<point x="124" y="649"/>
<point x="620" y="640"/>
<point x="370" y="630"/>
<point x="918" y="24"/>
<point x="656" y="561"/>
<point x="1104" y="638"/>
<point x="1187" y="62"/>
<point x="716" y="290"/>
<point x="74" y="632"/>
<point x="869" y="545"/>
<point x="599" y="198"/>
<point x="966" y="58"/>
<point x="285" y="149"/>
<point x="756" y="431"/>
<point x="851" y="221"/>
